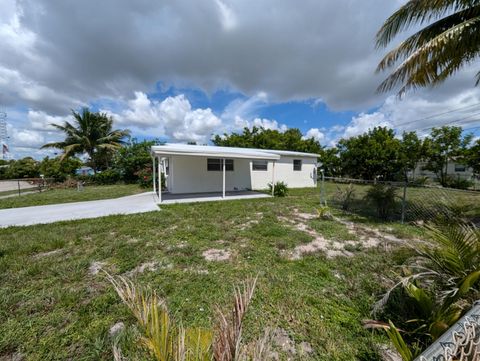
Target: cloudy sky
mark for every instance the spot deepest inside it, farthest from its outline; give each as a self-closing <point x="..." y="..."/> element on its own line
<point x="182" y="70"/>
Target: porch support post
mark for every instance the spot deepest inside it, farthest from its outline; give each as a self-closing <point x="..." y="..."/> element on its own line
<point x="273" y="178"/>
<point x="154" y="177"/>
<point x="223" y="183"/>
<point x="159" y="180"/>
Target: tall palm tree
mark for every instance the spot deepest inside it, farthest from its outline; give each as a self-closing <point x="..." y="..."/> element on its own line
<point x="449" y="40"/>
<point x="91" y="133"/>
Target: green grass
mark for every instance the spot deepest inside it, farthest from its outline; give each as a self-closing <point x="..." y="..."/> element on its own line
<point x="55" y="196"/>
<point x="52" y="308"/>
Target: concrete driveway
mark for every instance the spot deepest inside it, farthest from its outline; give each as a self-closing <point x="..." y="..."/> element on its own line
<point x="26" y="216"/>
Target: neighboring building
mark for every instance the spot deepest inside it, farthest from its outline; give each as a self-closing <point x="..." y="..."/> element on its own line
<point x="84" y="171"/>
<point x="202" y="169"/>
<point x="454" y="169"/>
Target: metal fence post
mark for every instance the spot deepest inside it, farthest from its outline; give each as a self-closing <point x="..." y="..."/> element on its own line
<point x="404" y="200"/>
<point x="323" y="201"/>
<point x="18" y="184"/>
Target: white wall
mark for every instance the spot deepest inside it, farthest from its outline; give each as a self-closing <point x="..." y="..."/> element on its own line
<point x="284" y="173"/>
<point x="189" y="174"/>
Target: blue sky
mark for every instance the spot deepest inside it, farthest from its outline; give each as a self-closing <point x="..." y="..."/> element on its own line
<point x="182" y="71"/>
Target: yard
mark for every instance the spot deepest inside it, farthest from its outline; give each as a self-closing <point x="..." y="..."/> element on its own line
<point x="317" y="278"/>
<point x="55" y="196"/>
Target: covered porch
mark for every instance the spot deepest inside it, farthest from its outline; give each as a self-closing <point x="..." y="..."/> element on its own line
<point x="205" y="173"/>
<point x="169" y="198"/>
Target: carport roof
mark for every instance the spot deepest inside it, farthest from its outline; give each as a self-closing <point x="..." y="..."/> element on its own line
<point x="223" y="152"/>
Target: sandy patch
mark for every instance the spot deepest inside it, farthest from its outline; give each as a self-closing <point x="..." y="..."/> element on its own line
<point x="48" y="254"/>
<point x="96" y="267"/>
<point x="116" y="328"/>
<point x="150" y="266"/>
<point x="282" y="341"/>
<point x="367" y="237"/>
<point x="257" y="217"/>
<point x="216" y="255"/>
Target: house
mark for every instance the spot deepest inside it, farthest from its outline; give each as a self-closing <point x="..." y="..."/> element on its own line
<point x="84" y="171"/>
<point x="210" y="169"/>
<point x="454" y="169"/>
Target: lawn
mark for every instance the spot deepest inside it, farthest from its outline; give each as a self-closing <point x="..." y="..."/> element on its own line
<point x="54" y="196"/>
<point x="54" y="306"/>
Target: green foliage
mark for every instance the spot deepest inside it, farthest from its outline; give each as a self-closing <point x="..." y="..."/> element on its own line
<point x="456" y="182"/>
<point x="442" y="146"/>
<point x="472" y="157"/>
<point x="23" y="168"/>
<point x="133" y="160"/>
<point x="291" y="139"/>
<point x="411" y="151"/>
<point x="448" y="41"/>
<point x="324" y="212"/>
<point x="345" y="196"/>
<point x="331" y="162"/>
<point x="91" y="133"/>
<point x="280" y="189"/>
<point x="108" y="176"/>
<point x="371" y="154"/>
<point x="383" y="198"/>
<point x="57" y="169"/>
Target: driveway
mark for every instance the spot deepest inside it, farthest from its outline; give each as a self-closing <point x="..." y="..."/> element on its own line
<point x="26" y="216"/>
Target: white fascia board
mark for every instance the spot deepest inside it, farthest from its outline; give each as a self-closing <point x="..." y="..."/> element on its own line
<point x="243" y="155"/>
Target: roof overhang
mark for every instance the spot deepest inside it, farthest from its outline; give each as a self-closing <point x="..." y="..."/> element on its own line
<point x="211" y="151"/>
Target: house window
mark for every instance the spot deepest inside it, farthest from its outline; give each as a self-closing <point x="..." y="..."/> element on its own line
<point x="297" y="164"/>
<point x="259" y="165"/>
<point x="215" y="164"/>
<point x="459" y="168"/>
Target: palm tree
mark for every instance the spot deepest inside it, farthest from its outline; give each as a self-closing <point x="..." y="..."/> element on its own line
<point x="92" y="134"/>
<point x="449" y="40"/>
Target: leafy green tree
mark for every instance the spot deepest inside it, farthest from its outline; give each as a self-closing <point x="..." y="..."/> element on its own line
<point x="449" y="40"/>
<point x="331" y="162"/>
<point x="23" y="168"/>
<point x="473" y="157"/>
<point x="372" y="154"/>
<point x="134" y="158"/>
<point x="57" y="169"/>
<point x="442" y="146"/>
<point x="291" y="139"/>
<point x="91" y="133"/>
<point x="411" y="152"/>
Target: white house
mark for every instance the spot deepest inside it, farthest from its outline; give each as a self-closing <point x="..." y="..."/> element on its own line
<point x="209" y="169"/>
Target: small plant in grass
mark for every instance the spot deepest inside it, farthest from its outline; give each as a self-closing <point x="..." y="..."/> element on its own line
<point x="323" y="212"/>
<point x="280" y="189"/>
<point x="345" y="196"/>
<point x="168" y="340"/>
<point x="382" y="197"/>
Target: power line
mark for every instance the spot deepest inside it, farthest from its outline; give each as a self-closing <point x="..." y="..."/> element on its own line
<point x="438" y="114"/>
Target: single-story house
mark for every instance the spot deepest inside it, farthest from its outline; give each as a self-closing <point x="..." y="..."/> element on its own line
<point x="208" y="169"/>
<point x="84" y="171"/>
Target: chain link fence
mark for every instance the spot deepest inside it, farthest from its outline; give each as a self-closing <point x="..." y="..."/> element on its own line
<point x="17" y="187"/>
<point x="400" y="201"/>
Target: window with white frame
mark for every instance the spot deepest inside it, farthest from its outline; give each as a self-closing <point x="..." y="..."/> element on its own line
<point x="215" y="164"/>
<point x="297" y="164"/>
<point x="260" y="165"/>
<point x="460" y="168"/>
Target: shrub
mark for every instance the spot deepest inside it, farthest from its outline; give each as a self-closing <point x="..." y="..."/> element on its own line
<point x="108" y="176"/>
<point x="382" y="197"/>
<point x="145" y="178"/>
<point x="280" y="190"/>
<point x="452" y="182"/>
<point x="345" y="196"/>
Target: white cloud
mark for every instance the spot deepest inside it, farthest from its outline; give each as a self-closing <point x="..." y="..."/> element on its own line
<point x="27" y="139"/>
<point x="173" y="117"/>
<point x="365" y="122"/>
<point x="315" y="133"/>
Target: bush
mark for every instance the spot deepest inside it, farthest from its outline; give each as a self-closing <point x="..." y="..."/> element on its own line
<point x="280" y="190"/>
<point x="108" y="176"/>
<point x="345" y="196"/>
<point x="452" y="182"/>
<point x="383" y="198"/>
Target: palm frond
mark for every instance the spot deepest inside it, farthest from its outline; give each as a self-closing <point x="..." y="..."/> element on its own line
<point x="226" y="346"/>
<point x="416" y="12"/>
